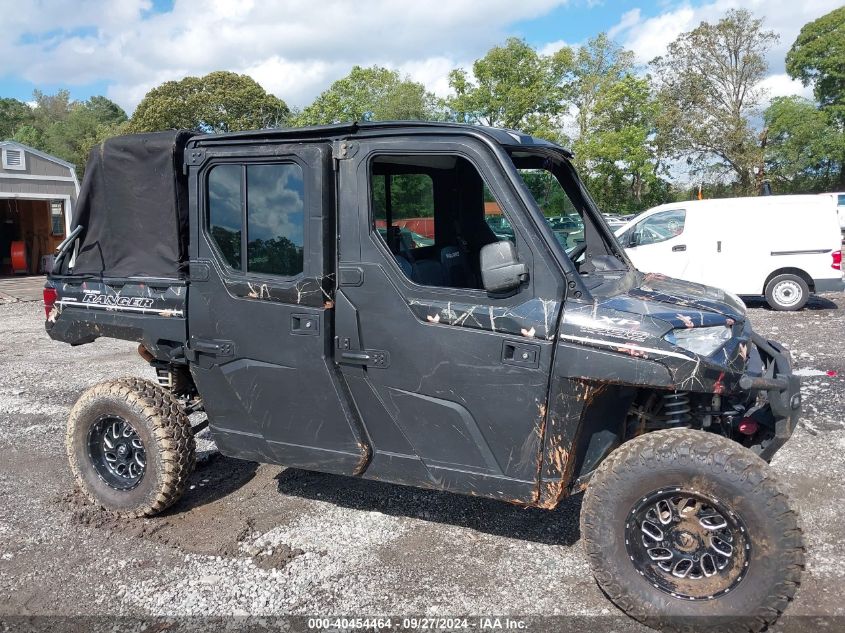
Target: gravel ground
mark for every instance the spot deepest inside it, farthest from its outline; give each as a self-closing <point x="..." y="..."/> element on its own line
<point x="252" y="539"/>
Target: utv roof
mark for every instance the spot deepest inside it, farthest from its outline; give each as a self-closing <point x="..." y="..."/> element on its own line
<point x="339" y="131"/>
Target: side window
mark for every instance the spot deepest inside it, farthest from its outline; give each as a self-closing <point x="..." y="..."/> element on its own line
<point x="225" y="211"/>
<point x="57" y="218"/>
<point x="275" y="219"/>
<point x="495" y="218"/>
<point x="558" y="211"/>
<point x="432" y="213"/>
<point x="659" y="227"/>
<point x="267" y="200"/>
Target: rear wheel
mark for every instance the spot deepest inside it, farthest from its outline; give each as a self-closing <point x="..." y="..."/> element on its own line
<point x="130" y="446"/>
<point x="787" y="292"/>
<point x="687" y="530"/>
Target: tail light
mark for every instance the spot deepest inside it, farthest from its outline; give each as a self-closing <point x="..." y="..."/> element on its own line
<point x="50" y="296"/>
<point x="837" y="260"/>
<point x="748" y="426"/>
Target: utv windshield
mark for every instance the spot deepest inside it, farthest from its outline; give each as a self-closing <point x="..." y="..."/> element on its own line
<point x="578" y="227"/>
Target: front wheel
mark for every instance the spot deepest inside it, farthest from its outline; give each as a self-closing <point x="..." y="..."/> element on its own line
<point x="688" y="530"/>
<point x="130" y="446"/>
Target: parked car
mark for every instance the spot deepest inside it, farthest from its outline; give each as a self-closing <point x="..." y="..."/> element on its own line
<point x="415" y="240"/>
<point x="500" y="226"/>
<point x="251" y="269"/>
<point x="613" y="221"/>
<point x="780" y="247"/>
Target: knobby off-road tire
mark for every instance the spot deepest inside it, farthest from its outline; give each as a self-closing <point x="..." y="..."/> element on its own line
<point x="130" y="446"/>
<point x="623" y="504"/>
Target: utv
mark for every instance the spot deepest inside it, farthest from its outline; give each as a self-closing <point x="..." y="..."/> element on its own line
<point x="272" y="281"/>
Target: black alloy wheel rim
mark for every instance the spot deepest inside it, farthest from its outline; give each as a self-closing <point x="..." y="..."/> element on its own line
<point x="687" y="544"/>
<point x="116" y="452"/>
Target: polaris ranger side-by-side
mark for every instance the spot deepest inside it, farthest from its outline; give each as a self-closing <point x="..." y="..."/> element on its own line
<point x="336" y="299"/>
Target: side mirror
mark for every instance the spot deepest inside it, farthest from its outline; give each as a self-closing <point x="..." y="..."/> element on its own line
<point x="500" y="269"/>
<point x="633" y="239"/>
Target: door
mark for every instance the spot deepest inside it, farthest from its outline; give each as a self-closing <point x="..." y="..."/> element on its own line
<point x="451" y="382"/>
<point x="659" y="244"/>
<point x="258" y="308"/>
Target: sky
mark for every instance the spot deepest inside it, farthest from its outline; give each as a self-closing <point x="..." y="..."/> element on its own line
<point x="296" y="48"/>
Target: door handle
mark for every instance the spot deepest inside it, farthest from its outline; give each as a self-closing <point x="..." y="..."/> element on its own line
<point x="679" y="248"/>
<point x="307" y="324"/>
<point x="355" y="357"/>
<point x="376" y="358"/>
<point x="521" y="354"/>
<point x="212" y="347"/>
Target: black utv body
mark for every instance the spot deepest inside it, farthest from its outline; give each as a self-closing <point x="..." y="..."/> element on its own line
<point x="393" y="301"/>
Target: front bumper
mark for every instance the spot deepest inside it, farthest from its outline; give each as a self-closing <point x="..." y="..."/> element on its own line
<point x="782" y="388"/>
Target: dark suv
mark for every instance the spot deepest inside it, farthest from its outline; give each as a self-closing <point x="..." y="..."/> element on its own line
<point x="267" y="278"/>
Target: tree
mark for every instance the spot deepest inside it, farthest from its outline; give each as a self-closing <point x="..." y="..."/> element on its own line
<point x="371" y="94"/>
<point x="599" y="64"/>
<point x="220" y="101"/>
<point x="513" y="86"/>
<point x="709" y="92"/>
<point x="805" y="146"/>
<point x="13" y="115"/>
<point x="818" y="57"/>
<point x="617" y="147"/>
<point x="615" y="114"/>
<point x="68" y="129"/>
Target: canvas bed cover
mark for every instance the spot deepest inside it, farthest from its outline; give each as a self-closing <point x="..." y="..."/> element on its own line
<point x="133" y="207"/>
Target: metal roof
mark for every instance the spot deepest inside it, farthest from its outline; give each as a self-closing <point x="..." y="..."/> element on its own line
<point x="346" y="130"/>
<point x="38" y="153"/>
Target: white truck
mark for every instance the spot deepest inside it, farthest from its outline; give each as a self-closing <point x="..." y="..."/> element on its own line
<point x="781" y="247"/>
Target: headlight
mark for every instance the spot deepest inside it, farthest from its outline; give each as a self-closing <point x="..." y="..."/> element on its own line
<point x="700" y="340"/>
<point x="740" y="304"/>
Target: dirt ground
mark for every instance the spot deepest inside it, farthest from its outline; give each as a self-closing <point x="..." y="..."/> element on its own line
<point x="252" y="539"/>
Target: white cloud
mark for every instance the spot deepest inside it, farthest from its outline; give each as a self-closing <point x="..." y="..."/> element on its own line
<point x="296" y="48"/>
<point x="553" y="47"/>
<point x="628" y="19"/>
<point x="781" y="85"/>
<point x="293" y="48"/>
<point x="649" y="37"/>
<point x="433" y="72"/>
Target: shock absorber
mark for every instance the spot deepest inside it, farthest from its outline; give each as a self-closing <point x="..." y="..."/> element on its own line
<point x="676" y="408"/>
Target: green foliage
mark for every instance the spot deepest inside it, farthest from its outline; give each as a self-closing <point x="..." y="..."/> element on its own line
<point x="14" y="114"/>
<point x="513" y="86"/>
<point x="805" y="148"/>
<point x="546" y="190"/>
<point x="411" y="196"/>
<point x="818" y="57"/>
<point x="69" y="129"/>
<point x="708" y="94"/>
<point x="220" y="101"/>
<point x="371" y="94"/>
<point x="616" y="119"/>
<point x="599" y="65"/>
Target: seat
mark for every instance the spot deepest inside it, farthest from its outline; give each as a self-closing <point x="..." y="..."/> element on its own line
<point x="429" y="272"/>
<point x="453" y="264"/>
<point x="405" y="265"/>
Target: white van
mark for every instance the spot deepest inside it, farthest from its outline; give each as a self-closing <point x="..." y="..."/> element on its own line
<point x="782" y="247"/>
